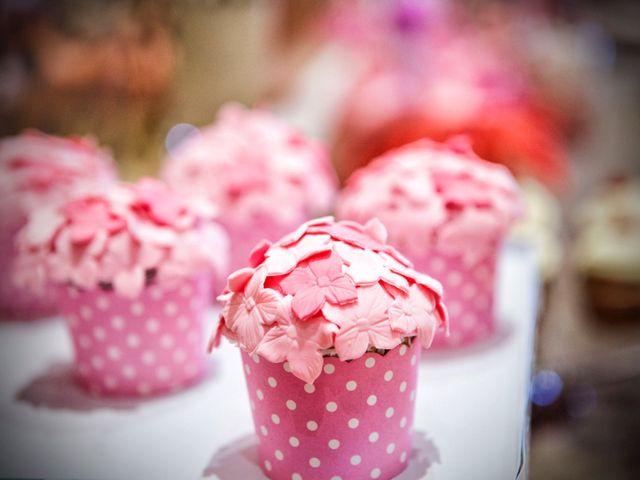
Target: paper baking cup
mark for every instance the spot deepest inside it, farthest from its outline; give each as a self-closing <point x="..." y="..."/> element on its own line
<point x="354" y="422"/>
<point x="150" y="345"/>
<point x="19" y="303"/>
<point x="469" y="295"/>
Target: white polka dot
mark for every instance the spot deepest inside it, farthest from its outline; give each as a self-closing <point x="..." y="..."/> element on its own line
<point x="99" y="333"/>
<point x="371" y="400"/>
<point x="291" y="405"/>
<point x="412" y="395"/>
<point x="332" y="406"/>
<point x="373" y="437"/>
<point x="314" y="462"/>
<point x="193" y="337"/>
<point x="110" y="382"/>
<point x="353" y="423"/>
<point x="97" y="362"/>
<point x="273" y="383"/>
<point x="336" y="477"/>
<point x="253" y="405"/>
<point x="263" y="430"/>
<point x="296" y="476"/>
<point x="351" y="385"/>
<point x="403" y="457"/>
<point x="148" y="357"/>
<point x="102" y="303"/>
<point x="179" y="356"/>
<point x="375" y="473"/>
<point x="403" y="350"/>
<point x="170" y="309"/>
<point x="84" y="341"/>
<point x="137" y="309"/>
<point x="143" y="388"/>
<point x="312" y="426"/>
<point x="113" y="353"/>
<point x="468" y="291"/>
<point x="390" y="448"/>
<point x="247" y="369"/>
<point x="278" y="454"/>
<point x="403" y="386"/>
<point x="329" y="369"/>
<point x="86" y="313"/>
<point x="275" y="419"/>
<point x="370" y="362"/>
<point x="117" y="322"/>
<point x="355" y="460"/>
<point x="133" y="340"/>
<point x="286" y="367"/>
<point x="166" y="341"/>
<point x="267" y="465"/>
<point x="259" y="394"/>
<point x="454" y="279"/>
<point x="414" y="359"/>
<point x="294" y="442"/>
<point x="388" y="375"/>
<point x="334" y="444"/>
<point x="389" y="413"/>
<point x="437" y="265"/>
<point x="255" y="358"/>
<point x="152" y="325"/>
<point x="162" y="373"/>
<point x="156" y="293"/>
<point x="309" y="388"/>
<point x="183" y="323"/>
<point x="128" y="371"/>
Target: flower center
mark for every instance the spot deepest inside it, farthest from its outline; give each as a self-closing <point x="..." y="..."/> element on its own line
<point x="249" y="303"/>
<point x="362" y="323"/>
<point x="323" y="281"/>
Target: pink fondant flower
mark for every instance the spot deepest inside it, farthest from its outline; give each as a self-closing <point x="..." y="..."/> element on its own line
<point x="89" y="216"/>
<point x="162" y="205"/>
<point x="366" y="267"/>
<point x="363" y="323"/>
<point x="318" y="280"/>
<point x="247" y="313"/>
<point x="299" y="343"/>
<point x="280" y="261"/>
<point x="414" y="314"/>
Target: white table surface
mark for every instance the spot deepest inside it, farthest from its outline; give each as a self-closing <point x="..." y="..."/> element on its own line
<point x="471" y="420"/>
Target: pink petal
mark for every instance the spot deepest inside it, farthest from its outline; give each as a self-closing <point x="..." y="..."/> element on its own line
<point x="307" y="302"/>
<point x="299" y="279"/>
<point x="275" y="345"/>
<point x="256" y="257"/>
<point x="426" y="331"/>
<point x="381" y="336"/>
<point x="376" y="229"/>
<point x="280" y="261"/>
<point x="250" y="330"/>
<point x="351" y="343"/>
<point x="269" y="306"/>
<point x="305" y="362"/>
<point x="341" y="291"/>
<point x="239" y="279"/>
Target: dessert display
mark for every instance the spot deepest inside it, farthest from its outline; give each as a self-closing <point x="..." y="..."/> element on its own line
<point x="607" y="252"/>
<point x="38" y="169"/>
<point x="264" y="177"/>
<point x="331" y="321"/>
<point x="132" y="270"/>
<point x="448" y="211"/>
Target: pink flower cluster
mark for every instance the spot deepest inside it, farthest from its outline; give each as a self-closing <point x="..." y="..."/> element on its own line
<point x="432" y="195"/>
<point x="329" y="285"/>
<point x="249" y="164"/>
<point x="38" y="169"/>
<point x="123" y="239"/>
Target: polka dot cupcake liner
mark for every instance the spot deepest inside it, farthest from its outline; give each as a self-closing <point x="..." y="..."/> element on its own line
<point x="469" y="296"/>
<point x="354" y="422"/>
<point x="149" y="345"/>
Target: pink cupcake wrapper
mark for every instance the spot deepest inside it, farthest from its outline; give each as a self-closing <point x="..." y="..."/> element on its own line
<point x="355" y="421"/>
<point x="468" y="293"/>
<point x="137" y="347"/>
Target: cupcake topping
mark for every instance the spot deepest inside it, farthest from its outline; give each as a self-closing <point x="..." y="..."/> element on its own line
<point x="328" y="285"/>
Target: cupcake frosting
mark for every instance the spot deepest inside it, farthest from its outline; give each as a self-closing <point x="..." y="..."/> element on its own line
<point x="329" y="288"/>
<point x="38" y="169"/>
<point x="432" y="195"/>
<point x="123" y="239"/>
<point x="250" y="165"/>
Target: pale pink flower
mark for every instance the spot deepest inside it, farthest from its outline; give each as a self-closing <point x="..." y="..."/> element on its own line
<point x="90" y="215"/>
<point x="414" y="314"/>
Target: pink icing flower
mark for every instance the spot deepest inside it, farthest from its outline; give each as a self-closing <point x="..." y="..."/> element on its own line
<point x="299" y="343"/>
<point x="248" y="313"/>
<point x="163" y="206"/>
<point x="316" y="281"/>
<point x="414" y="313"/>
<point x="89" y="216"/>
<point x="362" y="324"/>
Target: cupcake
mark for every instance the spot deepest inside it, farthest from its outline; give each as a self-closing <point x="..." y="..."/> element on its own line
<point x="36" y="170"/>
<point x="448" y="211"/>
<point x="132" y="269"/>
<point x="330" y="321"/>
<point x="264" y="177"/>
<point x="607" y="250"/>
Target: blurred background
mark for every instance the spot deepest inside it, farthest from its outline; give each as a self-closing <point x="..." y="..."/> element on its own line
<point x="549" y="88"/>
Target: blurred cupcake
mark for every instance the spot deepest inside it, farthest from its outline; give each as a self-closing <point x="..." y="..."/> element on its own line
<point x="264" y="177"/>
<point x="330" y="320"/>
<point x="41" y="170"/>
<point x="448" y="211"/>
<point x="607" y="250"/>
<point x="134" y="268"/>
